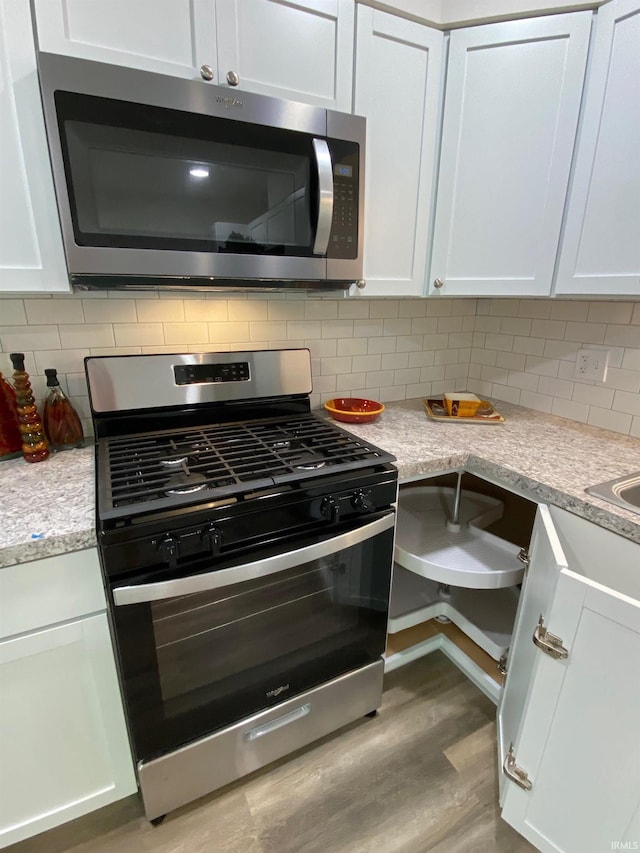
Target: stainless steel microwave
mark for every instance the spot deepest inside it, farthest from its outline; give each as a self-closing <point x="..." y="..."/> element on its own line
<point x="166" y="182"/>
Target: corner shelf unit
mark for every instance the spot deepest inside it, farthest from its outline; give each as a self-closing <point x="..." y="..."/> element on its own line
<point x="449" y="568"/>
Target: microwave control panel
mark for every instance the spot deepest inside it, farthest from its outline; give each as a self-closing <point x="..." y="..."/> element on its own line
<point x="343" y="242"/>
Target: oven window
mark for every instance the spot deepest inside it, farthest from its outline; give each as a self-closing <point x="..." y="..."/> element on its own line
<point x="216" y="185"/>
<point x="206" y="638"/>
<point x="195" y="663"/>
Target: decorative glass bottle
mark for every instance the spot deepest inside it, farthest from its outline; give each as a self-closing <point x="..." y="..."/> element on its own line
<point x="61" y="422"/>
<point x="10" y="438"/>
<point x="34" y="444"/>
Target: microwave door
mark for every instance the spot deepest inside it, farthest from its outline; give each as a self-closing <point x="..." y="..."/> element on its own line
<point x="325" y="196"/>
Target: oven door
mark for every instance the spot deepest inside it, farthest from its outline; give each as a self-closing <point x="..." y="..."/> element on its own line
<point x="203" y="651"/>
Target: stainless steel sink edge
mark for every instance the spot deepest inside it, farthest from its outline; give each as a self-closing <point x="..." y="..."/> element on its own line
<point x="623" y="491"/>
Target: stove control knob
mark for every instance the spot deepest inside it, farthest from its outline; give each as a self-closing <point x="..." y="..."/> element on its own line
<point x="330" y="508"/>
<point x="362" y="501"/>
<point x="169" y="548"/>
<point x="212" y="539"/>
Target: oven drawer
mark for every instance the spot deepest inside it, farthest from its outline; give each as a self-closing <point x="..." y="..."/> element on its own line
<point x="214" y="761"/>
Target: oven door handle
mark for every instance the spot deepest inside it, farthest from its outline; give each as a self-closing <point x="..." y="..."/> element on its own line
<point x="143" y="593"/>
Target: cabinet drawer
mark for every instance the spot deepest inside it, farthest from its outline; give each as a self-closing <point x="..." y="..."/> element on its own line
<point x="34" y="595"/>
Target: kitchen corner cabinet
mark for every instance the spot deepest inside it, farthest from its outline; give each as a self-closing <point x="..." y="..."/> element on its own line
<point x="569" y="729"/>
<point x="64" y="749"/>
<point x="512" y="102"/>
<point x="300" y="51"/>
<point x="31" y="255"/>
<point x="398" y="70"/>
<point x="600" y="251"/>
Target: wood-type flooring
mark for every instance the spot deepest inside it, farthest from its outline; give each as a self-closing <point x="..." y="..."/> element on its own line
<point x="420" y="776"/>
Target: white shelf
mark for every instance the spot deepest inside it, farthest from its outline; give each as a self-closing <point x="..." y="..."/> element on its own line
<point x="462" y="554"/>
<point x="485" y="616"/>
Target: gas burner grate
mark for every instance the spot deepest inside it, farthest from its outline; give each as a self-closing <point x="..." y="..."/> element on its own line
<point x="154" y="470"/>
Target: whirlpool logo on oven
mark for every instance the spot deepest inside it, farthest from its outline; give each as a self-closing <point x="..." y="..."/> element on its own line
<point x="278" y="690"/>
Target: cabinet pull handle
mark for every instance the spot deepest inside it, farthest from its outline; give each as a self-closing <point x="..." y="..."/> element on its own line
<point x="549" y="643"/>
<point x="232" y="78"/>
<point x="206" y="72"/>
<point x="438" y="283"/>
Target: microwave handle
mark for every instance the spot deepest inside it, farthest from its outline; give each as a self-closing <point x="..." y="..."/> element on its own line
<point x="325" y="196"/>
<point x="143" y="593"/>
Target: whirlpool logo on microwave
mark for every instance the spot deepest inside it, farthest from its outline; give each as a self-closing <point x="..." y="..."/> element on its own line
<point x="278" y="690"/>
<point x="229" y="102"/>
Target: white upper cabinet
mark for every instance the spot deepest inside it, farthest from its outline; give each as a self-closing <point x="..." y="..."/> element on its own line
<point x="301" y="51"/>
<point x="512" y="102"/>
<point x="31" y="256"/>
<point x="600" y="251"/>
<point x="397" y="87"/>
<point x="167" y="36"/>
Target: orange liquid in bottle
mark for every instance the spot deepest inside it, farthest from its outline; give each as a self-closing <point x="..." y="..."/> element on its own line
<point x="34" y="444"/>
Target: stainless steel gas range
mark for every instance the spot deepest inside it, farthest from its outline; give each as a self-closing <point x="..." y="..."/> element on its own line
<point x="247" y="548"/>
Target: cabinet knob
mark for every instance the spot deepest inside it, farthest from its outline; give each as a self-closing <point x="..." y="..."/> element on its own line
<point x="232" y="78"/>
<point x="438" y="283"/>
<point x="206" y="72"/>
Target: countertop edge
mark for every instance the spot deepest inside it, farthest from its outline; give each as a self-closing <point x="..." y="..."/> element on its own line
<point x="40" y="549"/>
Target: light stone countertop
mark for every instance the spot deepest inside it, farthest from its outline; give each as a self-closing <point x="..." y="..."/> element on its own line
<point x="543" y="457"/>
<point x="48" y="508"/>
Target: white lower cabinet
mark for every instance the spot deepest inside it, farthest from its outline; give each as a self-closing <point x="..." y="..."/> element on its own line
<point x="568" y="713"/>
<point x="568" y="719"/>
<point x="64" y="749"/>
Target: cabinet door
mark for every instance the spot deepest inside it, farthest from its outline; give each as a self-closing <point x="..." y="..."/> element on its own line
<point x="168" y="36"/>
<point x="547" y="559"/>
<point x="511" y="110"/>
<point x="63" y="744"/>
<point x="397" y="88"/>
<point x="600" y="250"/>
<point x="302" y="51"/>
<point x="31" y="255"/>
<point x="580" y="735"/>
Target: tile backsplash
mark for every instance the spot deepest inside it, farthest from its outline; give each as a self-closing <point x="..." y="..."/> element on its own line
<point x="520" y="350"/>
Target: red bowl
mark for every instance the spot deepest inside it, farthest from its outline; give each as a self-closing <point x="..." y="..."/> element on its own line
<point x="354" y="410"/>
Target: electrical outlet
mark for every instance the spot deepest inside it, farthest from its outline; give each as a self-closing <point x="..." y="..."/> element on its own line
<point x="592" y="364"/>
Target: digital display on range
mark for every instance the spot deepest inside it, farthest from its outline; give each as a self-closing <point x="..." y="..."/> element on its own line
<point x="204" y="374"/>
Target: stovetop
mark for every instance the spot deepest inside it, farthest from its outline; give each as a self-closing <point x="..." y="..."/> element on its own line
<point x="155" y="471"/>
